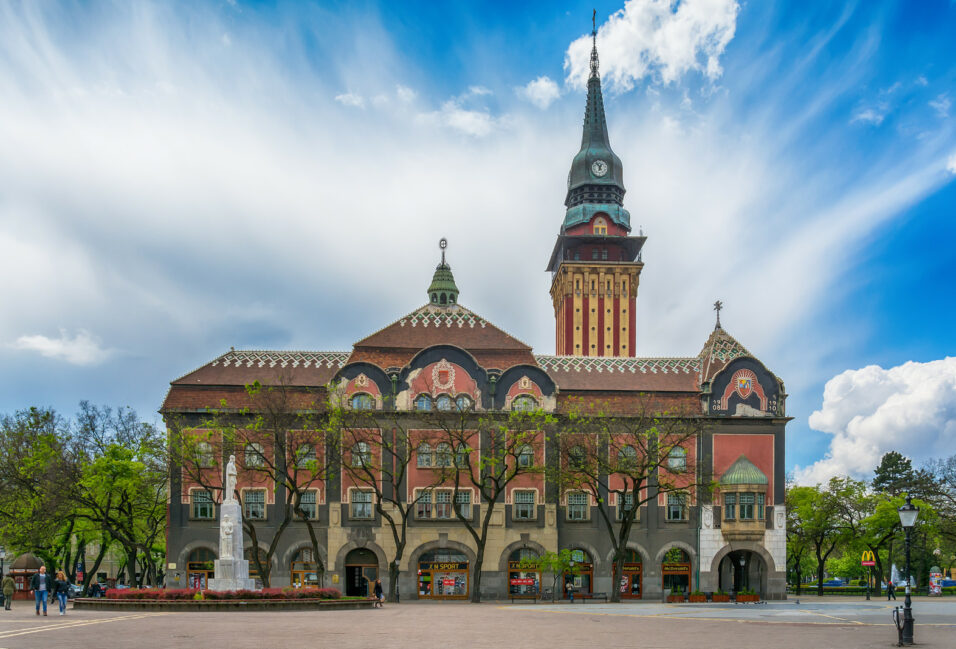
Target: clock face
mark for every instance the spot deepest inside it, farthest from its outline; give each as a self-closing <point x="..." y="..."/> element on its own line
<point x="599" y="168"/>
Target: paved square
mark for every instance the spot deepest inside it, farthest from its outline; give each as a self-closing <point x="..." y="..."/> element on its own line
<point x="779" y="625"/>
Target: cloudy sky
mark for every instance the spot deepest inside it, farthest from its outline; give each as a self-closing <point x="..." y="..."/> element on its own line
<point x="179" y="178"/>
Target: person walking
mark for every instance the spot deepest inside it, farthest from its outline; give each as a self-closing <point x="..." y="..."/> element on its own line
<point x="9" y="588"/>
<point x="41" y="585"/>
<point x="379" y="594"/>
<point x="890" y="590"/>
<point x="62" y="589"/>
<point x="570" y="588"/>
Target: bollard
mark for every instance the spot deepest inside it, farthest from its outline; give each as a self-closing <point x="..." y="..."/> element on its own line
<point x="898" y="621"/>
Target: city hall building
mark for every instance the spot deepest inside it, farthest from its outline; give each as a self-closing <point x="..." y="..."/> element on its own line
<point x="443" y="355"/>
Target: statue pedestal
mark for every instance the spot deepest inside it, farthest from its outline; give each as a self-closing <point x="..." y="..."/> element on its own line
<point x="232" y="569"/>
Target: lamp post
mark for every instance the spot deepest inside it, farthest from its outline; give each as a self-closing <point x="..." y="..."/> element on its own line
<point x="908" y="515"/>
<point x="3" y="555"/>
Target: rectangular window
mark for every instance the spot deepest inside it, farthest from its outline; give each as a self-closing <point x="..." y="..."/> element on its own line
<point x="463" y="502"/>
<point x="524" y="506"/>
<point x="443" y="504"/>
<point x="760" y="510"/>
<point x="747" y="506"/>
<point x="577" y="506"/>
<point x="255" y="502"/>
<point x="308" y="505"/>
<point x="202" y="504"/>
<point x="730" y="506"/>
<point x="626" y="505"/>
<point x="361" y="505"/>
<point x="676" y="507"/>
<point x="423" y="508"/>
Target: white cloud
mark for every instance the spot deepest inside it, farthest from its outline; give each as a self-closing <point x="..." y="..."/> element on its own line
<point x="351" y="99"/>
<point x="659" y="38"/>
<point x="922" y="81"/>
<point x="405" y="94"/>
<point x="951" y="164"/>
<point x="81" y="349"/>
<point x="541" y="92"/>
<point x="478" y="91"/>
<point x="910" y="408"/>
<point x="873" y="115"/>
<point x="476" y="123"/>
<point x="941" y="105"/>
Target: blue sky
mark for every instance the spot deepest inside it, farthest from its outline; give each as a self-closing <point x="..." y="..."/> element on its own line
<point x="178" y="178"/>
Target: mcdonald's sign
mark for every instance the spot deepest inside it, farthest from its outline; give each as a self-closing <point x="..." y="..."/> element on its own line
<point x="867" y="559"/>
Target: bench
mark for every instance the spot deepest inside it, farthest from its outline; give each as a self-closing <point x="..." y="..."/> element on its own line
<point x="531" y="596"/>
<point x="586" y="596"/>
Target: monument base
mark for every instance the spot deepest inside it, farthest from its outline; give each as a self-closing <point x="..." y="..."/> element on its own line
<point x="232" y="574"/>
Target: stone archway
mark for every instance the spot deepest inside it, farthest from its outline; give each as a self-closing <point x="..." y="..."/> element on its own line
<point x="304" y="574"/>
<point x="742" y="565"/>
<point x="680" y="574"/>
<point x="517" y="545"/>
<point x="442" y="544"/>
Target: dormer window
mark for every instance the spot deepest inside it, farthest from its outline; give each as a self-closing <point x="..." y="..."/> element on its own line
<point x="600" y="226"/>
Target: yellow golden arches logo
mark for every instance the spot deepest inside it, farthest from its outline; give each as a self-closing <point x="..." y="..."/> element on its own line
<point x="868" y="559"/>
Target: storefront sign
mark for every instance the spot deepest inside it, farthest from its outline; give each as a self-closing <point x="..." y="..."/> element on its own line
<point x="435" y="565"/>
<point x="676" y="568"/>
<point x="517" y="565"/>
<point x="448" y="583"/>
<point x="522" y="582"/>
<point x="633" y="567"/>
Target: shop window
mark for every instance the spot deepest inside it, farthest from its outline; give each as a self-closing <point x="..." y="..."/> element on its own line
<point x="676" y="507"/>
<point x="443" y="504"/>
<point x="424" y="455"/>
<point x="625" y="504"/>
<point x="747" y="506"/>
<point x="361" y="505"/>
<point x="306" y="570"/>
<point x="677" y="459"/>
<point x="203" y="507"/>
<point x="255" y="455"/>
<point x="443" y="403"/>
<point x="423" y="508"/>
<point x="524" y="403"/>
<point x="524" y="509"/>
<point x="463" y="504"/>
<point x="308" y="505"/>
<point x="443" y="454"/>
<point x="464" y="402"/>
<point x="577" y="506"/>
<point x="254" y="502"/>
<point x="524" y="575"/>
<point x="200" y="568"/>
<point x="204" y="455"/>
<point x="423" y="403"/>
<point x="361" y="454"/>
<point x="305" y="456"/>
<point x="730" y="506"/>
<point x="363" y="401"/>
<point x="443" y="574"/>
<point x="525" y="456"/>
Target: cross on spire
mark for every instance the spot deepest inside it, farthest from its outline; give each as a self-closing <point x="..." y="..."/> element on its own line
<point x="594" y="53"/>
<point x="718" y="305"/>
<point x="443" y="243"/>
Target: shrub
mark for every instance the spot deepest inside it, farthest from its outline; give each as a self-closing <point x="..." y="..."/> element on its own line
<point x="171" y="594"/>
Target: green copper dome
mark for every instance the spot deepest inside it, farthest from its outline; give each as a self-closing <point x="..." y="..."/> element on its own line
<point x="743" y="471"/>
<point x="443" y="291"/>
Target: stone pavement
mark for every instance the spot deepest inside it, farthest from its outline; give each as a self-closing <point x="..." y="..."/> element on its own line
<point x="816" y="624"/>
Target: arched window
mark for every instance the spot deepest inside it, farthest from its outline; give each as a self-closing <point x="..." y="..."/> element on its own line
<point x="525" y="456"/>
<point x="423" y="403"/>
<point x="627" y="457"/>
<point x="434" y="298"/>
<point x="443" y="402"/>
<point x="306" y="571"/>
<point x="362" y="401"/>
<point x="443" y="454"/>
<point x="677" y="459"/>
<point x="204" y="456"/>
<point x="304" y="455"/>
<point x="361" y="454"/>
<point x="255" y="455"/>
<point x="424" y="454"/>
<point x="461" y="456"/>
<point x="524" y="403"/>
<point x="443" y="299"/>
<point x="464" y="402"/>
<point x="600" y="225"/>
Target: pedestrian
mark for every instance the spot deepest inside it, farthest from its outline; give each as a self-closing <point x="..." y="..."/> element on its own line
<point x="890" y="590"/>
<point x="62" y="589"/>
<point x="379" y="594"/>
<point x="41" y="585"/>
<point x="570" y="588"/>
<point x="9" y="588"/>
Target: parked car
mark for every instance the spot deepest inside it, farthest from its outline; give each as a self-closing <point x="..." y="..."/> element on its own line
<point x="75" y="591"/>
<point x="836" y="582"/>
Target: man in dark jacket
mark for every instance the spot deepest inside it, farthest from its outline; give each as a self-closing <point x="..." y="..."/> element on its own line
<point x="42" y="585"/>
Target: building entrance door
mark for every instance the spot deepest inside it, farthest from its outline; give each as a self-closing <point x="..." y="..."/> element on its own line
<point x="361" y="571"/>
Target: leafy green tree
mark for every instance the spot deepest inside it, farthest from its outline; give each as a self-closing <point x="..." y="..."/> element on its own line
<point x="816" y="517"/>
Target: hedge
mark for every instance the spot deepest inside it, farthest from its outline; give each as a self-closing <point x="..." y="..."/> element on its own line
<point x="191" y="593"/>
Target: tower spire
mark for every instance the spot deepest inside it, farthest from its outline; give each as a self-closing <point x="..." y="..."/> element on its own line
<point x="443" y="291"/>
<point x="594" y="53"/>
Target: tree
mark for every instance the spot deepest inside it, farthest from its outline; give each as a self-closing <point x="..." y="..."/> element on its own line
<point x="798" y="546"/>
<point x="621" y="462"/>
<point x="278" y="442"/>
<point x="816" y="517"/>
<point x="556" y="564"/>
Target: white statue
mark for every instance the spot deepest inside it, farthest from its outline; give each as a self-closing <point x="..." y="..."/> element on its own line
<point x="229" y="481"/>
<point x="226" y="528"/>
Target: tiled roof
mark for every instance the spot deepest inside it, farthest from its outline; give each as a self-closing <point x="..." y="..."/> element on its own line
<point x="622" y="373"/>
<point x="718" y="351"/>
<point x="268" y="358"/>
<point x="246" y="366"/>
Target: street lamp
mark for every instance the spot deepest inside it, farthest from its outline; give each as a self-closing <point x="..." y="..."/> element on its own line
<point x="3" y="555"/>
<point x="908" y="515"/>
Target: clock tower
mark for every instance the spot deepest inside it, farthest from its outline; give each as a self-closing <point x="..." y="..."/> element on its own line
<point x="595" y="265"/>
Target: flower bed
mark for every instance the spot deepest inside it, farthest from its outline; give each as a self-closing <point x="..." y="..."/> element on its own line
<point x="697" y="597"/>
<point x="720" y="597"/>
<point x="179" y="594"/>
